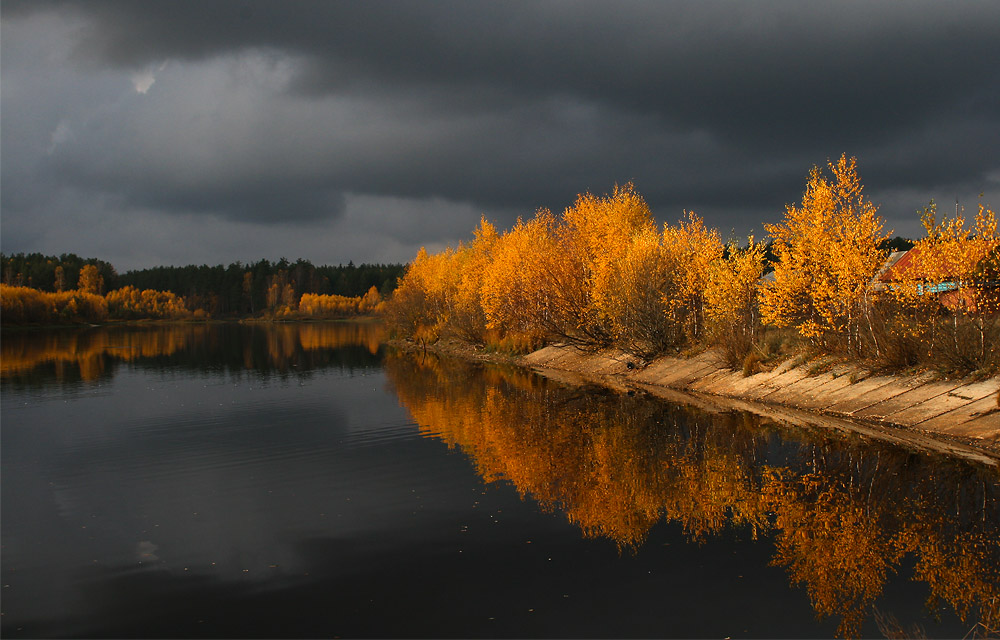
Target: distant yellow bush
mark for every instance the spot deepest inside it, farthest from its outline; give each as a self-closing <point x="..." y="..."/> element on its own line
<point x="130" y="303"/>
<point x="24" y="305"/>
<point x="334" y="306"/>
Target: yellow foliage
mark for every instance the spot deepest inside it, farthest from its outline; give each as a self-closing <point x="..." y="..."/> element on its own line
<point x="595" y="233"/>
<point x="630" y="291"/>
<point x="90" y="280"/>
<point x="828" y="253"/>
<point x="334" y="306"/>
<point x="370" y="300"/>
<point x="731" y="304"/>
<point x="130" y="303"/>
<point x="468" y="319"/>
<point x="951" y="251"/>
<point x="523" y="271"/>
<point x="953" y="257"/>
<point x="426" y="295"/>
<point x="596" y="275"/>
<point x="690" y="248"/>
<point x="21" y="305"/>
<point x="599" y="227"/>
<point x="946" y="296"/>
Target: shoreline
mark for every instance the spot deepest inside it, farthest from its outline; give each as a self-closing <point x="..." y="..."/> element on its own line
<point x="951" y="417"/>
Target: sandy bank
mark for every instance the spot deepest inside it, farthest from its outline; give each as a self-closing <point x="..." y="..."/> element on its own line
<point x="957" y="417"/>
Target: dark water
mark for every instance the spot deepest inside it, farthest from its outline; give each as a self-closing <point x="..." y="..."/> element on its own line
<point x="304" y="481"/>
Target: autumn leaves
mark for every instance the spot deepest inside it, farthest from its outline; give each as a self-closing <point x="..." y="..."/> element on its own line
<point x="599" y="274"/>
<point x="602" y="274"/>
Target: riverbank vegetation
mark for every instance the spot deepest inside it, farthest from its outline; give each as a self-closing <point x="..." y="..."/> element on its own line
<point x="602" y="274"/>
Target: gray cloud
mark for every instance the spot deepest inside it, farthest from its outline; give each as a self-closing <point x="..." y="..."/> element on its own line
<point x="256" y="114"/>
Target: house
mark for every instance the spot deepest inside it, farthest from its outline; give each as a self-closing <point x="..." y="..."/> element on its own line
<point x="973" y="292"/>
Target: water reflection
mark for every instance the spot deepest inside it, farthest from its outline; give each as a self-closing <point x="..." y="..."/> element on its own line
<point x="70" y="355"/>
<point x="845" y="516"/>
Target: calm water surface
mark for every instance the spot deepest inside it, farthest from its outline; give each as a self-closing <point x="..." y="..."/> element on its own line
<point x="304" y="481"/>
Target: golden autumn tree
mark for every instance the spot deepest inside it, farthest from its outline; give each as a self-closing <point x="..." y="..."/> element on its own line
<point x="690" y="249"/>
<point x="630" y="291"/>
<point x="732" y="312"/>
<point x="550" y="277"/>
<point x="828" y="252"/>
<point x="370" y="300"/>
<point x="334" y="306"/>
<point x="522" y="292"/>
<point x="22" y="305"/>
<point x="90" y="280"/>
<point x="596" y="232"/>
<point x="421" y="305"/>
<point x="468" y="319"/>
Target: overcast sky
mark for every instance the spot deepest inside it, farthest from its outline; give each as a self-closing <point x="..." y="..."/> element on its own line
<point x="148" y="133"/>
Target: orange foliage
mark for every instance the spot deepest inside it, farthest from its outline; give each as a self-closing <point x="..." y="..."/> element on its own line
<point x="690" y="249"/>
<point x="130" y="303"/>
<point x="600" y="275"/>
<point x="334" y="306"/>
<point x="631" y="293"/>
<point x="583" y="278"/>
<point x="828" y="253"/>
<point x="90" y="280"/>
<point x="731" y="300"/>
<point x="23" y="305"/>
<point x="947" y="291"/>
<point x="521" y="292"/>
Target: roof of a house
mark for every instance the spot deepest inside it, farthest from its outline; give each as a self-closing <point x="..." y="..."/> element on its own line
<point x="898" y="266"/>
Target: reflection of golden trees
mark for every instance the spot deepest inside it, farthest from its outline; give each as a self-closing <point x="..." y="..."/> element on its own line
<point x="89" y="351"/>
<point x="843" y="518"/>
<point x="829" y="540"/>
<point x="961" y="568"/>
<point x="20" y="353"/>
<point x="841" y="532"/>
<point x="340" y="334"/>
<point x="603" y="462"/>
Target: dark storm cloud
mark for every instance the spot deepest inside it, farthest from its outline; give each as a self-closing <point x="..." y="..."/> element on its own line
<point x="786" y="67"/>
<point x="270" y="111"/>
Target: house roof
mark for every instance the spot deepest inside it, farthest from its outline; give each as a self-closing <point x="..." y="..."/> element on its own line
<point x="889" y="272"/>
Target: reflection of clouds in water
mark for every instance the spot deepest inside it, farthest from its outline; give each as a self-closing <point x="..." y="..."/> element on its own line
<point x="145" y="551"/>
<point x="64" y="500"/>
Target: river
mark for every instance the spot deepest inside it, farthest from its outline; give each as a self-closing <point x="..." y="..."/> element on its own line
<point x="306" y="480"/>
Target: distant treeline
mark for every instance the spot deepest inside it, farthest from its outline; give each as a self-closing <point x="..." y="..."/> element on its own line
<point x="234" y="290"/>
